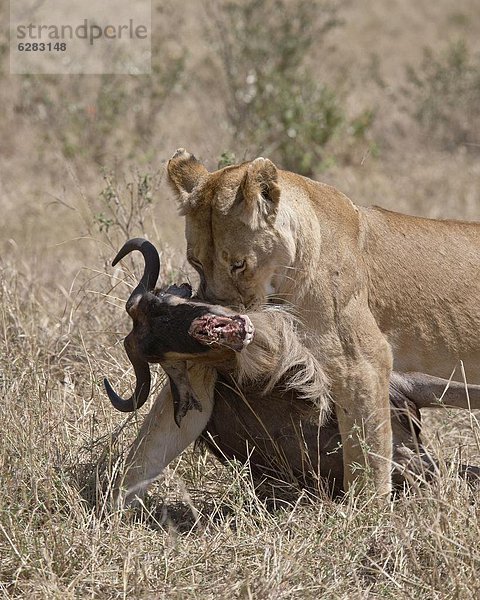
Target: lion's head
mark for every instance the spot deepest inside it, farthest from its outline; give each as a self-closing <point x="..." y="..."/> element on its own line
<point x="237" y="238"/>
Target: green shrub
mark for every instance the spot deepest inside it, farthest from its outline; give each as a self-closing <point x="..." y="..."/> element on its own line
<point x="446" y="96"/>
<point x="125" y="206"/>
<point x="274" y="102"/>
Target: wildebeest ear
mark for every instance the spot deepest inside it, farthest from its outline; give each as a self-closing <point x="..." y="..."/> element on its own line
<point x="182" y="291"/>
<point x="185" y="172"/>
<point x="260" y="193"/>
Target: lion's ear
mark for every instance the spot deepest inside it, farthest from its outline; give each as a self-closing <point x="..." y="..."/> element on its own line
<point x="260" y="193"/>
<point x="185" y="172"/>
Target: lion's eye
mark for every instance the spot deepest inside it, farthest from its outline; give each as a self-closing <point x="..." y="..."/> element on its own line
<point x="238" y="266"/>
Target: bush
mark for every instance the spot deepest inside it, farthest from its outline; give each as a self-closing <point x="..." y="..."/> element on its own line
<point x="446" y="94"/>
<point x="274" y="102"/>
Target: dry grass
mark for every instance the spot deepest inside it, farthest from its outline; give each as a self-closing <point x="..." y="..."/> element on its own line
<point x="205" y="533"/>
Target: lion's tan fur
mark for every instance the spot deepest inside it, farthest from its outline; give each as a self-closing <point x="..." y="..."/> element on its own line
<point x="372" y="288"/>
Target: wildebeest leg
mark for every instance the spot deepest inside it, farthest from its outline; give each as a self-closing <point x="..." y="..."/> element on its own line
<point x="183" y="394"/>
<point x="160" y="440"/>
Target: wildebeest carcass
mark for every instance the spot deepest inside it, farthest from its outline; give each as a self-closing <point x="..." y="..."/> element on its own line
<point x="248" y="387"/>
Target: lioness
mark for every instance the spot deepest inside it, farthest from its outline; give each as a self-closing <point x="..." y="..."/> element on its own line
<point x="374" y="289"/>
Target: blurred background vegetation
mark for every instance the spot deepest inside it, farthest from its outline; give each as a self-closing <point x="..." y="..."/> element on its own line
<point x="382" y="101"/>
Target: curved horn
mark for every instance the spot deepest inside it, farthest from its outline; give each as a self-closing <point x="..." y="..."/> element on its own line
<point x="142" y="387"/>
<point x="152" y="265"/>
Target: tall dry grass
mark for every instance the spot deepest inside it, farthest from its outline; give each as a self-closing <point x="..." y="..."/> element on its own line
<point x="70" y="197"/>
<point x="204" y="531"/>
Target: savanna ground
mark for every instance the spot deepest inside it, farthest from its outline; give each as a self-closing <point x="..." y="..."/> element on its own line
<point x="380" y="99"/>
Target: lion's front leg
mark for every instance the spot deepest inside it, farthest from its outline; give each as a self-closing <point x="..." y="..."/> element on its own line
<point x="361" y="395"/>
<point x="160" y="440"/>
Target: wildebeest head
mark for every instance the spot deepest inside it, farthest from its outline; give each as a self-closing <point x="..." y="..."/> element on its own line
<point x="170" y="327"/>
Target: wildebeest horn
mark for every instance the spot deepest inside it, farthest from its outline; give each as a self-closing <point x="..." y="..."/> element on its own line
<point x="152" y="266"/>
<point x="140" y="366"/>
<point x="142" y="387"/>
